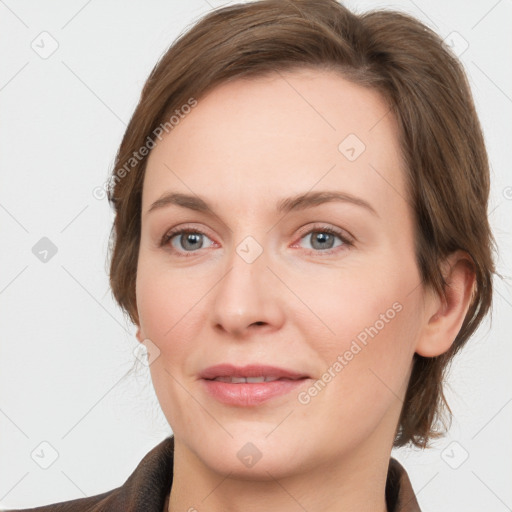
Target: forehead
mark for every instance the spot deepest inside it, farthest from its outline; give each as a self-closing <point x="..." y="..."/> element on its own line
<point x="278" y="135"/>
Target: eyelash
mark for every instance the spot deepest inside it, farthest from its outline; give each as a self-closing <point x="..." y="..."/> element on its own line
<point x="347" y="242"/>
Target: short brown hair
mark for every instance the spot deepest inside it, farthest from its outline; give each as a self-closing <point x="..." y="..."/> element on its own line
<point x="440" y="137"/>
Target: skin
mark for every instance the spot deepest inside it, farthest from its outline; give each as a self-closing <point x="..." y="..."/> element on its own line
<point x="246" y="145"/>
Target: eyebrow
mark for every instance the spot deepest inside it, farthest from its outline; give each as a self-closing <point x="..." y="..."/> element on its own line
<point x="286" y="205"/>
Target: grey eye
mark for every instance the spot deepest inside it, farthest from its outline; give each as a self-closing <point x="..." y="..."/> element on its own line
<point x="188" y="241"/>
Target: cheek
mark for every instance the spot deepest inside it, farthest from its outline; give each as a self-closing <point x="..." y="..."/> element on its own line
<point x="166" y="301"/>
<point x="173" y="306"/>
<point x="369" y="319"/>
<point x="363" y="302"/>
<point x="366" y="367"/>
<point x="169" y="313"/>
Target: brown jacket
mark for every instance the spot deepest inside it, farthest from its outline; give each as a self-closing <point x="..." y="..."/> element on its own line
<point x="147" y="487"/>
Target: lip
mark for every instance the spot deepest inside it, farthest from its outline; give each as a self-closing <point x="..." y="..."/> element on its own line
<point x="250" y="370"/>
<point x="250" y="394"/>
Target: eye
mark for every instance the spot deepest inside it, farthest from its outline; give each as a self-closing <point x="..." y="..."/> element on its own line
<point x="322" y="239"/>
<point x="185" y="240"/>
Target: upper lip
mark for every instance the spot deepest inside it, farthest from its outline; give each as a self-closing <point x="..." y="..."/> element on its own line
<point x="250" y="370"/>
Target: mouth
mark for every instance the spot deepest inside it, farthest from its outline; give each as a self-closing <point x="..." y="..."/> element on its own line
<point x="249" y="385"/>
<point x="248" y="380"/>
<point x="249" y="373"/>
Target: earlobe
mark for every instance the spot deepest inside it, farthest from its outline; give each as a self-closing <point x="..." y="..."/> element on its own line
<point x="445" y="315"/>
<point x="139" y="335"/>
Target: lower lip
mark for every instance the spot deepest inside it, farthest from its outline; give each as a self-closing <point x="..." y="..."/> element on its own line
<point x="246" y="394"/>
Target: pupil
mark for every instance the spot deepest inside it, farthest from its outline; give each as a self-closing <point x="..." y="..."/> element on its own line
<point x="191" y="240"/>
<point x="323" y="238"/>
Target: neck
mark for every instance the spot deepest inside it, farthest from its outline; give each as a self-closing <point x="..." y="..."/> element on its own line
<point x="357" y="482"/>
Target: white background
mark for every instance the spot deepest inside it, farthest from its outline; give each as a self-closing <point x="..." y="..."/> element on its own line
<point x="66" y="347"/>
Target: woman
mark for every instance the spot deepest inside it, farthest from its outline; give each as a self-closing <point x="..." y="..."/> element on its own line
<point x="301" y="239"/>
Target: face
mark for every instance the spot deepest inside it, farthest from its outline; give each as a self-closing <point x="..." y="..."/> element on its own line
<point x="249" y="272"/>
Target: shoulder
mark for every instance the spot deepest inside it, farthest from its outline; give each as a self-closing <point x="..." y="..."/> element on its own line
<point x="400" y="495"/>
<point x="145" y="489"/>
<point x="89" y="504"/>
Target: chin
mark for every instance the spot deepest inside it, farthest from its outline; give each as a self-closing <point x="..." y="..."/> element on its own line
<point x="251" y="454"/>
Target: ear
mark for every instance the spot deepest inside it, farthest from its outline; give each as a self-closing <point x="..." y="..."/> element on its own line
<point x="139" y="334"/>
<point x="445" y="315"/>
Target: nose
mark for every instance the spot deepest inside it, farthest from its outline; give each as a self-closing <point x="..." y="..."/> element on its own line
<point x="247" y="298"/>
